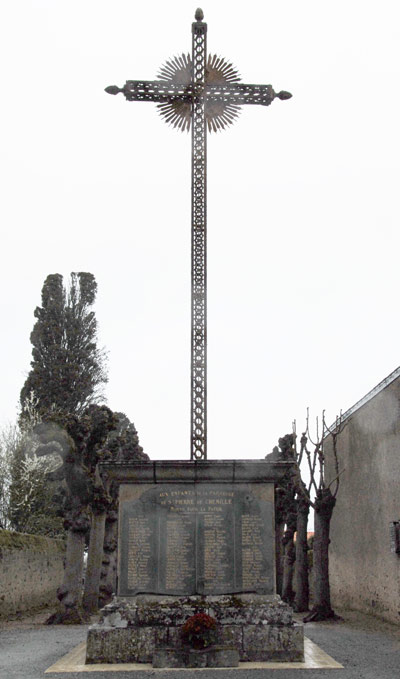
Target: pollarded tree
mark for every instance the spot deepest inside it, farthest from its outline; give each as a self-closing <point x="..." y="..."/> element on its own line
<point x="80" y="441"/>
<point x="301" y="581"/>
<point x="67" y="368"/>
<point x="83" y="443"/>
<point x="280" y="515"/>
<point x="323" y="503"/>
<point x="285" y="520"/>
<point x="123" y="441"/>
<point x="122" y="444"/>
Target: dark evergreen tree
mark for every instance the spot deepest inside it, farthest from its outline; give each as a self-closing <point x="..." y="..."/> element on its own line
<point x="67" y="368"/>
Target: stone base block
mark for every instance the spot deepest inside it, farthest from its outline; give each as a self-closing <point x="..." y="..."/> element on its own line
<point x="111" y="645"/>
<point x="210" y="657"/>
<point x="281" y="643"/>
<point x="259" y="628"/>
<point x="169" y="657"/>
<point x="223" y="657"/>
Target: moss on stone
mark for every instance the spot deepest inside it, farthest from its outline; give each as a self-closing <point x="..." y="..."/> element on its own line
<point x="10" y="540"/>
<point x="235" y="602"/>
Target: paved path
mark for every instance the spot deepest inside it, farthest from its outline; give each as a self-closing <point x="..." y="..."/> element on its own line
<point x="365" y="647"/>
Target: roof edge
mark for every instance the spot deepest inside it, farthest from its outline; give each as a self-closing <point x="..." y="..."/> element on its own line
<point x="370" y="395"/>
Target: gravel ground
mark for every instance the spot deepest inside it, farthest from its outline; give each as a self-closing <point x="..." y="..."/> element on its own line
<point x="367" y="647"/>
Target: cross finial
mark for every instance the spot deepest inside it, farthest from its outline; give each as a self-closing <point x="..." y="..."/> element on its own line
<point x="202" y="92"/>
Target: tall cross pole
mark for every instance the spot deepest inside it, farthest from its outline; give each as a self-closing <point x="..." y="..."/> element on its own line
<point x="199" y="92"/>
<point x="198" y="373"/>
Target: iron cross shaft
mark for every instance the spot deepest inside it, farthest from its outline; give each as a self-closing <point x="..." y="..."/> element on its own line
<point x="198" y="92"/>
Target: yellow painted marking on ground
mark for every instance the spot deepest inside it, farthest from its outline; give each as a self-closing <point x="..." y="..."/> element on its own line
<point x="314" y="658"/>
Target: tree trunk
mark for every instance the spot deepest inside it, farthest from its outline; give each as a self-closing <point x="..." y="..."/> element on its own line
<point x="281" y="509"/>
<point x="279" y="532"/>
<point x="108" y="579"/>
<point x="95" y="557"/>
<point x="301" y="600"/>
<point x="70" y="593"/>
<point x="288" y="567"/>
<point x="324" y="505"/>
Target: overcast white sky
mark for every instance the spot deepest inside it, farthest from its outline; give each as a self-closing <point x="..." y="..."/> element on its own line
<point x="303" y="208"/>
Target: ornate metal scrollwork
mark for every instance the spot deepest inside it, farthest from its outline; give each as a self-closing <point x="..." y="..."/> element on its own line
<point x="198" y="93"/>
<point x="199" y="248"/>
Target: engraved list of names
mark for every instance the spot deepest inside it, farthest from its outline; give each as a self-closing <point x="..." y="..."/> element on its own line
<point x="197" y="539"/>
<point x="139" y="532"/>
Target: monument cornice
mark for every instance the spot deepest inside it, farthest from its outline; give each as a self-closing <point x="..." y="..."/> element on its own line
<point x="197" y="471"/>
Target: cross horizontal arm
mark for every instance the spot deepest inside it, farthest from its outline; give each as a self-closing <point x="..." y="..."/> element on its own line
<point x="230" y="93"/>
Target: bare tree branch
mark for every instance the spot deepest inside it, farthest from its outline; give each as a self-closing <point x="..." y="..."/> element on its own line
<point x="336" y="479"/>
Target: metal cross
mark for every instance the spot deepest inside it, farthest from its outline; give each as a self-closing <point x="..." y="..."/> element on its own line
<point x="199" y="92"/>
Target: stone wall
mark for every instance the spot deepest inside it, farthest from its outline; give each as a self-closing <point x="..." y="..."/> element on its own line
<point x="31" y="569"/>
<point x="364" y="573"/>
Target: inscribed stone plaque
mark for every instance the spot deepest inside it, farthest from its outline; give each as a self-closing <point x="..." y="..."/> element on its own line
<point x="197" y="539"/>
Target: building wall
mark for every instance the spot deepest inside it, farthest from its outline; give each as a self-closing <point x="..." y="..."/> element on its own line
<point x="31" y="569"/>
<point x="364" y="574"/>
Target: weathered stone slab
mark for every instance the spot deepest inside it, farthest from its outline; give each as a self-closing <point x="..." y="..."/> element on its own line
<point x="169" y="657"/>
<point x="222" y="657"/>
<point x="273" y="642"/>
<point x="181" y="657"/>
<point x="197" y="659"/>
<point x="174" y="611"/>
<point x="258" y="627"/>
<point x="231" y="635"/>
<point x="183" y="539"/>
<point x="111" y="645"/>
<point x="250" y="608"/>
<point x="120" y="645"/>
<point x="197" y="471"/>
<point x="163" y="638"/>
<point x="145" y="644"/>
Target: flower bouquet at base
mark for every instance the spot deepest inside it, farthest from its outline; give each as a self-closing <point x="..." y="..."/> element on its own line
<point x="199" y="631"/>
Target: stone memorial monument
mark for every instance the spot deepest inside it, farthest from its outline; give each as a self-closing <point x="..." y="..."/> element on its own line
<point x="196" y="539"/>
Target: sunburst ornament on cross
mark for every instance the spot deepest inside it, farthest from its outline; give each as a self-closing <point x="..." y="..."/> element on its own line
<point x="178" y="112"/>
<point x="200" y="93"/>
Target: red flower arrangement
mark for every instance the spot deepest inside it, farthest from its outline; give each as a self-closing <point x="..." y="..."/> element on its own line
<point x="199" y="631"/>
